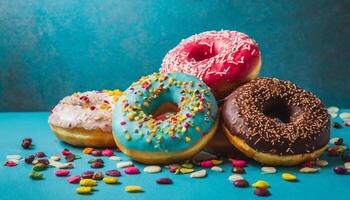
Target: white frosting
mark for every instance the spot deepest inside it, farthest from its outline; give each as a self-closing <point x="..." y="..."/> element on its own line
<point x="88" y="110"/>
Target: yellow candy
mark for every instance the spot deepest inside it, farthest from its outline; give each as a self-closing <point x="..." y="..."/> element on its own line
<point x="110" y="180"/>
<point x="83" y="190"/>
<point x="261" y="184"/>
<point x="187" y="165"/>
<point x="88" y="182"/>
<point x="217" y="162"/>
<point x="186" y="171"/>
<point x="289" y="177"/>
<point x="133" y="188"/>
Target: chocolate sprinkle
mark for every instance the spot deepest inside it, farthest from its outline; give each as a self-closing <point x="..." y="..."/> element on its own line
<point x="301" y="125"/>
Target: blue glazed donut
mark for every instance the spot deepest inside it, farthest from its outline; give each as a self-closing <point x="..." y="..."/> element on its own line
<point x="170" y="136"/>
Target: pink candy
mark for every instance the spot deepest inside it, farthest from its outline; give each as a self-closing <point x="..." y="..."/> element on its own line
<point x="131" y="170"/>
<point x="107" y="152"/>
<point x="62" y="172"/>
<point x="207" y="163"/>
<point x="66" y="152"/>
<point x="239" y="163"/>
<point x="74" y="179"/>
<point x="10" y="163"/>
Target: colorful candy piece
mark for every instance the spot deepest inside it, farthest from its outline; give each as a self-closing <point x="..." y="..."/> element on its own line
<point x="207" y="163"/>
<point x="113" y="172"/>
<point x="261" y="184"/>
<point x="36" y="175"/>
<point x="110" y="180"/>
<point x="288" y="177"/>
<point x="152" y="169"/>
<point x="131" y="170"/>
<point x="133" y="188"/>
<point x="83" y="190"/>
<point x="239" y="163"/>
<point x="62" y="172"/>
<point x="87" y="182"/>
<point x="164" y="181"/>
<point x="107" y="152"/>
<point x="74" y="179"/>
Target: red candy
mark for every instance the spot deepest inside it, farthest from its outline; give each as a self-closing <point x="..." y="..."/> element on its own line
<point x="74" y="179"/>
<point x="216" y="57"/>
<point x="10" y="163"/>
<point x="62" y="172"/>
<point x="207" y="164"/>
<point x="66" y="152"/>
<point x="131" y="170"/>
<point x="238" y="163"/>
<point x="164" y="181"/>
<point x="107" y="152"/>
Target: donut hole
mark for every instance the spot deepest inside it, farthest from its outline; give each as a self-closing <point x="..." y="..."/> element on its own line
<point x="163" y="109"/>
<point x="201" y="52"/>
<point x="277" y="110"/>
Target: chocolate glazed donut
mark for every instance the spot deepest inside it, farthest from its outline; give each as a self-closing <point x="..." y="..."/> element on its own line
<point x="275" y="122"/>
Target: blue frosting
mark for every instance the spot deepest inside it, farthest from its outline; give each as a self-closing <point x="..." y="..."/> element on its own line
<point x="136" y="128"/>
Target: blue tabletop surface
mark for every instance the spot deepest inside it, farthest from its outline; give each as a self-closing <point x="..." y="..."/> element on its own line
<point x="15" y="183"/>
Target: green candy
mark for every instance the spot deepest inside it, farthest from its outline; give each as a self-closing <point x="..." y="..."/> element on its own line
<point x="39" y="167"/>
<point x="36" y="175"/>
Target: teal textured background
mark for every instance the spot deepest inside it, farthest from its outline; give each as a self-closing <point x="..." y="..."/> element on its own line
<point x="49" y="49"/>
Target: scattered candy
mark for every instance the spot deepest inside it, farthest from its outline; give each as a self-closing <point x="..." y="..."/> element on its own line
<point x="199" y="174"/>
<point x="110" y="180"/>
<point x="187" y="165"/>
<point x="97" y="176"/>
<point x="94" y="160"/>
<point x="70" y="158"/>
<point x="164" y="181"/>
<point x="87" y="150"/>
<point x="74" y="179"/>
<point x="44" y="161"/>
<point x="336" y="125"/>
<point x="96" y="152"/>
<point x="97" y="165"/>
<point x="217" y="162"/>
<point x="207" y="163"/>
<point x="87" y="175"/>
<point x="321" y="163"/>
<point x="83" y="190"/>
<point x="26" y="143"/>
<point x="332" y="109"/>
<point x="268" y="170"/>
<point x="29" y="159"/>
<point x="133" y="188"/>
<point x="309" y="170"/>
<point x="152" y="169"/>
<point x="40" y="155"/>
<point x="347" y="165"/>
<point x="87" y="182"/>
<point x="115" y="158"/>
<point x="235" y="177"/>
<point x="262" y="192"/>
<point x="289" y="177"/>
<point x="39" y="167"/>
<point x="10" y="163"/>
<point x="113" y="172"/>
<point x="345" y="116"/>
<point x="340" y="170"/>
<point x="13" y="157"/>
<point x="107" y="152"/>
<point x="241" y="183"/>
<point x="62" y="172"/>
<point x="124" y="164"/>
<point x="336" y="141"/>
<point x="60" y="165"/>
<point x="217" y="169"/>
<point x="131" y="170"/>
<point x="66" y="152"/>
<point x="55" y="158"/>
<point x="238" y="163"/>
<point x="185" y="170"/>
<point x="36" y="175"/>
<point x="238" y="170"/>
<point x="261" y="184"/>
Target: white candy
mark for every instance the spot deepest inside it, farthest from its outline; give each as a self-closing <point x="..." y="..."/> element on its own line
<point x="309" y="170"/>
<point x="235" y="177"/>
<point x="333" y="109"/>
<point x="115" y="158"/>
<point x="124" y="164"/>
<point x="321" y="163"/>
<point x="334" y="140"/>
<point x="268" y="170"/>
<point x="345" y="116"/>
<point x="55" y="158"/>
<point x="199" y="174"/>
<point x="60" y="165"/>
<point x="347" y="165"/>
<point x="333" y="115"/>
<point x="217" y="169"/>
<point x="13" y="157"/>
<point x="152" y="169"/>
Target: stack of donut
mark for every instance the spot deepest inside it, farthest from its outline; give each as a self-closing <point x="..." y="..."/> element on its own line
<point x="207" y="95"/>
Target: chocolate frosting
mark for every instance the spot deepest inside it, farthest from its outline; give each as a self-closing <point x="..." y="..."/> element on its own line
<point x="278" y="117"/>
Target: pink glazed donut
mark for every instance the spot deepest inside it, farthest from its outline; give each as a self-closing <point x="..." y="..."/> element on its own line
<point x="222" y="59"/>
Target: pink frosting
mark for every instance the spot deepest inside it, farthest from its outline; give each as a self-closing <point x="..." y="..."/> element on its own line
<point x="88" y="110"/>
<point x="215" y="57"/>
